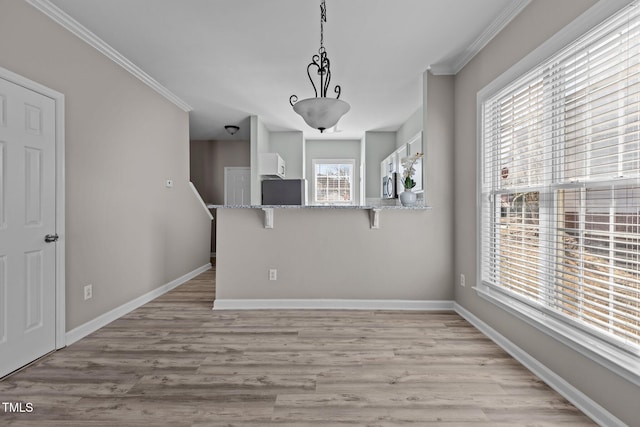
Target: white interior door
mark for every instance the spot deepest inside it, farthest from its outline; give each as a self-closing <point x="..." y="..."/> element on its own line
<point x="27" y="215"/>
<point x="237" y="186"/>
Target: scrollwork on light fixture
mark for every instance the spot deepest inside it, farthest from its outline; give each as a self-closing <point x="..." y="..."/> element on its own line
<point x="321" y="112"/>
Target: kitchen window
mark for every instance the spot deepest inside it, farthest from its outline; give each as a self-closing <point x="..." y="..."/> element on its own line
<point x="333" y="181"/>
<point x="559" y="191"/>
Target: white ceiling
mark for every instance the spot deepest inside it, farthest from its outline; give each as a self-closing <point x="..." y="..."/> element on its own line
<point x="229" y="59"/>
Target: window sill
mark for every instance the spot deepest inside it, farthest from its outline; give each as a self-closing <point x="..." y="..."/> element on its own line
<point x="621" y="363"/>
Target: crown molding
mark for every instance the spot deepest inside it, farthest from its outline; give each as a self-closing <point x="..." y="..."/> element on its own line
<point x="442" y="69"/>
<point x="73" y="26"/>
<point x="456" y="64"/>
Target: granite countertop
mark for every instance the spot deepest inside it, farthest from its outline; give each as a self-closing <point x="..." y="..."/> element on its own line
<point x="382" y="206"/>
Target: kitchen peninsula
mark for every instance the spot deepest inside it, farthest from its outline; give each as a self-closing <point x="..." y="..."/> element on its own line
<point x="327" y="257"/>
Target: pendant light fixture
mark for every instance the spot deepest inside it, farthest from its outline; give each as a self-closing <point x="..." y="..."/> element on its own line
<point x="320" y="112"/>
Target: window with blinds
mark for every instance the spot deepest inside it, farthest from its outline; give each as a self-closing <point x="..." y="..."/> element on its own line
<point x="560" y="183"/>
<point x="333" y="181"/>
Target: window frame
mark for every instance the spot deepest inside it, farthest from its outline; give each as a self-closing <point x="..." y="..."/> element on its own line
<point x="326" y="161"/>
<point x="586" y="343"/>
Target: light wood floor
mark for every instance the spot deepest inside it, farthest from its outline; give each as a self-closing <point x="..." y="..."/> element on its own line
<point x="175" y="362"/>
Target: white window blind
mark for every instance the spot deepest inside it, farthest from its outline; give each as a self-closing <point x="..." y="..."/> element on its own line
<point x="333" y="181"/>
<point x="560" y="172"/>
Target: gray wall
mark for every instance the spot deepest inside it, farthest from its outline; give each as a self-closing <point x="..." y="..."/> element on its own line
<point x="201" y="172"/>
<point x="437" y="143"/>
<point x="290" y="146"/>
<point x="259" y="143"/>
<point x="208" y="160"/>
<point x="378" y="145"/>
<point x="327" y="254"/>
<point x="410" y="127"/>
<point x="125" y="232"/>
<point x="438" y="116"/>
<point x="540" y="20"/>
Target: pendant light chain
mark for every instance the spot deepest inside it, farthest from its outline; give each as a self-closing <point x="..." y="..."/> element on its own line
<point x="323" y="19"/>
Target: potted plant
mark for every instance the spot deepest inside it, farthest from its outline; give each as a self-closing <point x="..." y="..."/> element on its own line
<point x="408" y="197"/>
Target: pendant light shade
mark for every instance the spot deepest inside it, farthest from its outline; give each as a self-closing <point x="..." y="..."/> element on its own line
<point x="321" y="112"/>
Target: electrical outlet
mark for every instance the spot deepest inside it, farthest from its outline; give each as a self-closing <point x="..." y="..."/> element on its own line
<point x="273" y="274"/>
<point x="462" y="280"/>
<point x="88" y="292"/>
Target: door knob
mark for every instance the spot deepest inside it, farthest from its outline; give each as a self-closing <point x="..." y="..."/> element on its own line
<point x="50" y="238"/>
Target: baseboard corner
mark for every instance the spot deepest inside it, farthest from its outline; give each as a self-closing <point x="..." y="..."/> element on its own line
<point x="104" y="319"/>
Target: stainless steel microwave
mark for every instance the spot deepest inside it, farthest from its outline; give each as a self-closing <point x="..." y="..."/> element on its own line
<point x="389" y="186"/>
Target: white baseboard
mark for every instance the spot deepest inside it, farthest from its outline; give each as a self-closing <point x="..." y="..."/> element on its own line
<point x="93" y="325"/>
<point x="330" y="304"/>
<point x="581" y="401"/>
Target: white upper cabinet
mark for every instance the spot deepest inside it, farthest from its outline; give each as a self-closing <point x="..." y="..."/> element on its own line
<point x="271" y="164"/>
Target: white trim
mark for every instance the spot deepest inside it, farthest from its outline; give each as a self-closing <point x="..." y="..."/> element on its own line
<point x="60" y="223"/>
<point x="108" y="317"/>
<point x="323" y="161"/>
<point x="199" y="197"/>
<point x="80" y="31"/>
<point x="456" y="64"/>
<point x="592" y="409"/>
<point x="443" y="69"/>
<point x="60" y="280"/>
<point x="330" y="304"/>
